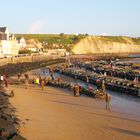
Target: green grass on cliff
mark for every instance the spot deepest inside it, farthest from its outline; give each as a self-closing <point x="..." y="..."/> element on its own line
<point x="69" y="41"/>
<point x="72" y="39"/>
<point x="62" y="40"/>
<point x="136" y="40"/>
<point x="53" y="38"/>
<point x="121" y="39"/>
<point x="115" y="39"/>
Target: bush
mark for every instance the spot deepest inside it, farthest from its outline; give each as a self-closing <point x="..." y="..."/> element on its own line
<point x="25" y="52"/>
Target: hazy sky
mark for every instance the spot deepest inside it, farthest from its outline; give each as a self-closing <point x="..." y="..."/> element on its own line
<point x="113" y="17"/>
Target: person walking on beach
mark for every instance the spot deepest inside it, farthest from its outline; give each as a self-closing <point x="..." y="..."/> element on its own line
<point x="26" y="80"/>
<point x="87" y="80"/>
<point x="26" y="83"/>
<point x="37" y="81"/>
<point x="26" y="76"/>
<point x="42" y="84"/>
<point x="19" y="75"/>
<point x="52" y="77"/>
<point x="74" y="90"/>
<point x="6" y="80"/>
<point x="77" y="90"/>
<point x="107" y="98"/>
<point x="103" y="87"/>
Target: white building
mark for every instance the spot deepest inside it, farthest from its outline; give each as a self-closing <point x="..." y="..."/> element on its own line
<point x="33" y="45"/>
<point x="8" y="43"/>
<point x="22" y="42"/>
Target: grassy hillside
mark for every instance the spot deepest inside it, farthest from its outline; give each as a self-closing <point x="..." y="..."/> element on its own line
<point x="54" y="40"/>
<point x="69" y="41"/>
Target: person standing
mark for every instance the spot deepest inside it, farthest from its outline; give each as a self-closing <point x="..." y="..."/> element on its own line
<point x="77" y="90"/>
<point x="103" y="87"/>
<point x="19" y="75"/>
<point x="26" y="76"/>
<point x="87" y="80"/>
<point x="37" y="81"/>
<point x="107" y="98"/>
<point x="52" y="77"/>
<point x="98" y="83"/>
<point x="42" y="84"/>
<point x="6" y="80"/>
<point x="26" y="80"/>
<point x="26" y="83"/>
<point x="74" y="90"/>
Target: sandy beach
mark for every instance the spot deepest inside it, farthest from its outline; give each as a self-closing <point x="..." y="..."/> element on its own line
<point x="54" y="114"/>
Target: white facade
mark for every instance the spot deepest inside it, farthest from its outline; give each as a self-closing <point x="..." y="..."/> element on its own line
<point x="22" y="43"/>
<point x="8" y="45"/>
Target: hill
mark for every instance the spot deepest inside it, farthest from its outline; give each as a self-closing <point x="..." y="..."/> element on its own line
<point x="85" y="44"/>
<point x="52" y="41"/>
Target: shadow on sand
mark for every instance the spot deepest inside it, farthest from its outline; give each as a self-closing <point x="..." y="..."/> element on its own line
<point x="115" y="117"/>
<point x="124" y="131"/>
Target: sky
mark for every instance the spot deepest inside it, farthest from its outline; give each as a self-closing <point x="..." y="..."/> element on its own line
<point x="94" y="17"/>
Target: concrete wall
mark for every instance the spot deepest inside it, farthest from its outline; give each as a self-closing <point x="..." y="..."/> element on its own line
<point x="22" y="59"/>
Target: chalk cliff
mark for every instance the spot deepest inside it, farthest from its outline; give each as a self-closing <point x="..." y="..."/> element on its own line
<point x="100" y="44"/>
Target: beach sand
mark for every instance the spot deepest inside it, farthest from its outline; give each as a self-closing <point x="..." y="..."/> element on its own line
<point x="54" y="114"/>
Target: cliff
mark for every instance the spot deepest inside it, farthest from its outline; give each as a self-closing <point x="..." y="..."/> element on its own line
<point x="101" y="44"/>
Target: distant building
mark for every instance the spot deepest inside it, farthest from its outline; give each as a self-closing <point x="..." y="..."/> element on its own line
<point x="31" y="44"/>
<point x="8" y="43"/>
<point x="22" y="42"/>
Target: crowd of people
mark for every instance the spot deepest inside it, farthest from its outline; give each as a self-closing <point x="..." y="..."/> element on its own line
<point x="43" y="81"/>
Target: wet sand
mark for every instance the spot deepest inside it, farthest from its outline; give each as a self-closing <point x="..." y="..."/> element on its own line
<point x="54" y="114"/>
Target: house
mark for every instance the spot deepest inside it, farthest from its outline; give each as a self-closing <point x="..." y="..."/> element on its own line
<point x="33" y="45"/>
<point x="22" y="42"/>
<point x="8" y="43"/>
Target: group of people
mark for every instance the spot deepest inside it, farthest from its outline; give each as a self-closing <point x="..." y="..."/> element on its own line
<point x="101" y="85"/>
<point x="40" y="81"/>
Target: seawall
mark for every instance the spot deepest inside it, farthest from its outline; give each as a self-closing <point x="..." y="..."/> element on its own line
<point x="22" y="59"/>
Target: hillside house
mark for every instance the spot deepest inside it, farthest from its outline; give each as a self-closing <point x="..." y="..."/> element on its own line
<point x="33" y="45"/>
<point x="8" y="43"/>
<point x="22" y="42"/>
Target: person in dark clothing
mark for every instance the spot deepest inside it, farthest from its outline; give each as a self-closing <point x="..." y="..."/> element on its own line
<point x="87" y="80"/>
<point x="26" y="76"/>
<point x="98" y="83"/>
<point x="19" y="75"/>
<point x="52" y="77"/>
<point x="74" y="90"/>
